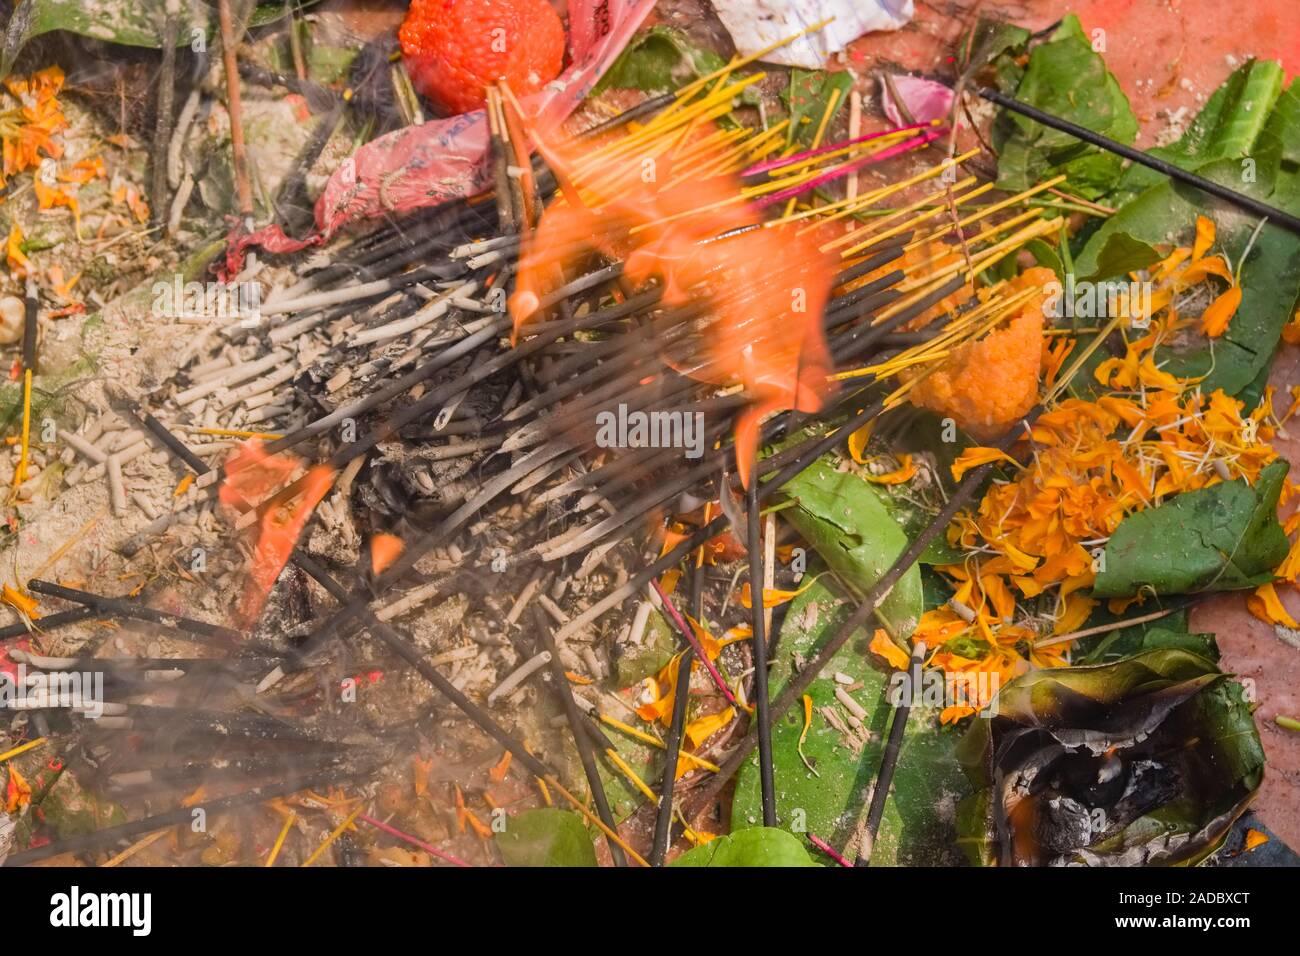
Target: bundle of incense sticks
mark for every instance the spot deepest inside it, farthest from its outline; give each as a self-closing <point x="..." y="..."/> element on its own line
<point x="388" y="359"/>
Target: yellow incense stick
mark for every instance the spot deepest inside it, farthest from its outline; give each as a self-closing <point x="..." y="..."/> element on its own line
<point x="279" y="841"/>
<point x="337" y="832"/>
<point x="22" y="749"/>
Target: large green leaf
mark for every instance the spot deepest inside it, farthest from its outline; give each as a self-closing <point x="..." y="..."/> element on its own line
<point x="1067" y="79"/>
<point x="1270" y="275"/>
<point x="918" y="826"/>
<point x="849" y="525"/>
<point x="1121" y="254"/>
<point x="1219" y="538"/>
<point x="128" y="22"/>
<point x="546" y="837"/>
<point x="1227" y="127"/>
<point x="758" y="846"/>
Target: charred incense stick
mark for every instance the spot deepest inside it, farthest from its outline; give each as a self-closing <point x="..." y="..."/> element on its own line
<point x="120" y="608"/>
<point x="574" y="715"/>
<point x="889" y="758"/>
<point x="668" y="782"/>
<point x="762" y="715"/>
<point x="409" y="653"/>
<point x="51" y="622"/>
<point x="875" y="595"/>
<point x="107" y="836"/>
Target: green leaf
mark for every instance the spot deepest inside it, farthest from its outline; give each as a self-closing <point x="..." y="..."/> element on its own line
<point x="1227" y="127"/>
<point x="1220" y="538"/>
<point x="847" y="522"/>
<point x="809" y="96"/>
<point x="129" y="22"/>
<point x="995" y="38"/>
<point x="1127" y="641"/>
<point x="1270" y="276"/>
<point x="1047" y="257"/>
<point x="918" y="825"/>
<point x="1067" y="79"/>
<point x="758" y="846"/>
<point x="546" y="837"/>
<point x="1122" y="254"/>
<point x="658" y="60"/>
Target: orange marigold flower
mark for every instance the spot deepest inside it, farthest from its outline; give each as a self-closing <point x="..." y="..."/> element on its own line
<point x="987" y="385"/>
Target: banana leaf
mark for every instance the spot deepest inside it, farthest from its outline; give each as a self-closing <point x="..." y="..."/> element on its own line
<point x="1146" y="761"/>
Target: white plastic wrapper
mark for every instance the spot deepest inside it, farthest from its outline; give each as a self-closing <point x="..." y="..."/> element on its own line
<point x="756" y="24"/>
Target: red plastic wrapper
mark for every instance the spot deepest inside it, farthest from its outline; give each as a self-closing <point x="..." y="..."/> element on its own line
<point x="422" y="166"/>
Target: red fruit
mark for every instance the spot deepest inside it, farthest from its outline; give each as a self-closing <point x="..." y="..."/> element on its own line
<point x="454" y="48"/>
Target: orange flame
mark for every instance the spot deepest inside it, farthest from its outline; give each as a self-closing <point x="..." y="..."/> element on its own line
<point x="384" y="550"/>
<point x="766" y="285"/>
<point x="251" y="474"/>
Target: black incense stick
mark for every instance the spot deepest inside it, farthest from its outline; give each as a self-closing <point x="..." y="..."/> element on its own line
<point x="1240" y="200"/>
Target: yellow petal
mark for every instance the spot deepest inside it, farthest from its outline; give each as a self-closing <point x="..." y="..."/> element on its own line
<point x="1204" y="237"/>
<point x="1291" y="331"/>
<point x="882" y="644"/>
<point x="773" y="597"/>
<point x="905" y="471"/>
<point x="1215" y="319"/>
<point x="701" y="729"/>
<point x="858" y="443"/>
<point x="18" y="793"/>
<point x="22" y="603"/>
<point x="1074" y="611"/>
<point x="974" y="457"/>
<point x="1267" y="606"/>
<point x="1254" y="839"/>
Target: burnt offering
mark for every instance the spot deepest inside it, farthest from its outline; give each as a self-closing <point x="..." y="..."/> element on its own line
<point x="1143" y="762"/>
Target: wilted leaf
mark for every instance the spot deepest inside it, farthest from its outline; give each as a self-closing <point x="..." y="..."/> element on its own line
<point x="758" y="846"/>
<point x="546" y="837"/>
<point x="1220" y="538"/>
<point x="1145" y="761"/>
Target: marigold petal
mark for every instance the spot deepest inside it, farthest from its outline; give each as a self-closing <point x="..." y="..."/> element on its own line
<point x="975" y="456"/>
